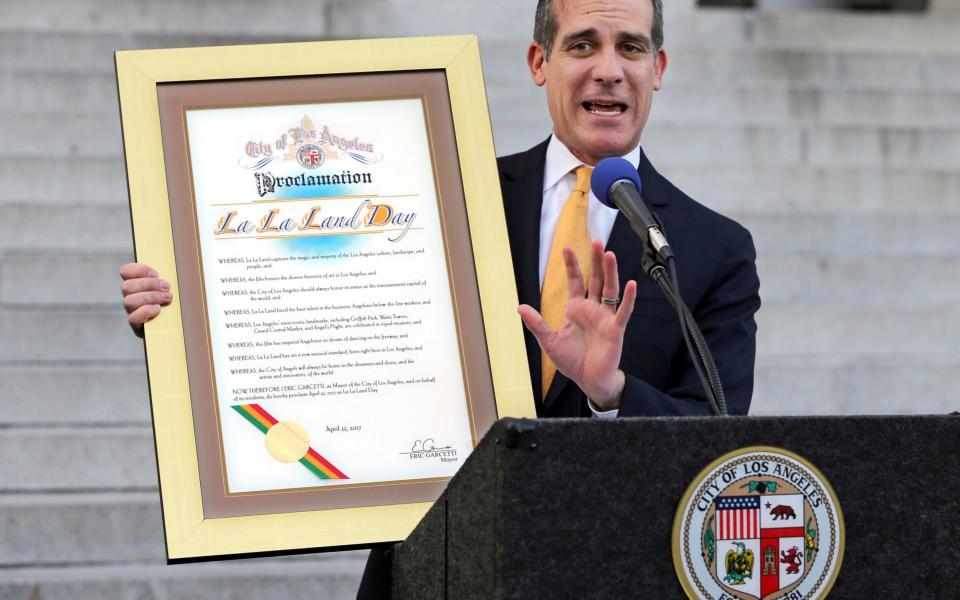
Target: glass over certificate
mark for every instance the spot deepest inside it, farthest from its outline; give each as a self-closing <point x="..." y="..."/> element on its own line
<point x="342" y="278"/>
<point x="335" y="348"/>
<point x="333" y="339"/>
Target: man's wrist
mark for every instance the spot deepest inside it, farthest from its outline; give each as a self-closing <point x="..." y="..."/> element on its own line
<point x="610" y="400"/>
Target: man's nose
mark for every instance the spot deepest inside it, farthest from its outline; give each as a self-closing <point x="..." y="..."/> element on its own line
<point x="608" y="67"/>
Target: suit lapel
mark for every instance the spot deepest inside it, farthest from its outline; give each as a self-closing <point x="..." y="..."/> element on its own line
<point x="623" y="243"/>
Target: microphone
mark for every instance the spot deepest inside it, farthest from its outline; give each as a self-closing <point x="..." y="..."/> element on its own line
<point x="616" y="183"/>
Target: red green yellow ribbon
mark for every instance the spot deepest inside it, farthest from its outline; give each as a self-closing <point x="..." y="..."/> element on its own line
<point x="262" y="420"/>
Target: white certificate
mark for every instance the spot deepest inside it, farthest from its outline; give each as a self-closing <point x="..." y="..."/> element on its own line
<point x="333" y="335"/>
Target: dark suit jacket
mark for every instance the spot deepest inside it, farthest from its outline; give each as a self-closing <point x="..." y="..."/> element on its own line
<point x="718" y="281"/>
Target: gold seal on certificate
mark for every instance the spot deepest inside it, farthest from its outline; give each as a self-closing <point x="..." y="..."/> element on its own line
<point x="344" y="324"/>
<point x="287" y="442"/>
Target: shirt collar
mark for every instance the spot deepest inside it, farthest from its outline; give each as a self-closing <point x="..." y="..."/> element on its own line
<point x="561" y="161"/>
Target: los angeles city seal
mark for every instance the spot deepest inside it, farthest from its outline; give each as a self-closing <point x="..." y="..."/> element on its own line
<point x="759" y="523"/>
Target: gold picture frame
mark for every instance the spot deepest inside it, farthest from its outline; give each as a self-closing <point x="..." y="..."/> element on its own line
<point x="190" y="533"/>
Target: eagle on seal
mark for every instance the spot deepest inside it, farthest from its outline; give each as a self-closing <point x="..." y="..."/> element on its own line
<point x="739" y="564"/>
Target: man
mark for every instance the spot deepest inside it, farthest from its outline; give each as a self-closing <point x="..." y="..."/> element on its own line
<point x="601" y="61"/>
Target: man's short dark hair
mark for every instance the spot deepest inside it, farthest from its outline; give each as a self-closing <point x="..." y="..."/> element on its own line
<point x="545" y="25"/>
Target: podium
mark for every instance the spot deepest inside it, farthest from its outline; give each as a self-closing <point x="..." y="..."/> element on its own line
<point x="578" y="508"/>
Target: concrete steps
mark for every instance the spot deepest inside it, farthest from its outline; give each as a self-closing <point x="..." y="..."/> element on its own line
<point x="39" y="52"/>
<point x="177" y="17"/>
<point x="68" y="225"/>
<point x="86" y="529"/>
<point x="870" y="69"/>
<point x="81" y="279"/>
<point x="62" y="181"/>
<point x="78" y="136"/>
<point x="865" y="332"/>
<point x="97" y="458"/>
<point x="295" y="577"/>
<point x="66" y="334"/>
<point x="789" y="145"/>
<point x="803" y="189"/>
<point x="78" y="393"/>
<point x="831" y="283"/>
<point x="852" y="235"/>
<point x="824" y="31"/>
<point x="80" y="529"/>
<point x="60" y="96"/>
<point x="806" y="104"/>
<point x="825" y="383"/>
<point x="246" y="579"/>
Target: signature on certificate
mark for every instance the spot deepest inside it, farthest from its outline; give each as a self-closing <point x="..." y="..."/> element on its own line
<point x="428" y="445"/>
<point x="430" y="449"/>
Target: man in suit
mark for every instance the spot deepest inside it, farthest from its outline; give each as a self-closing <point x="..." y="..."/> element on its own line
<point x="600" y="61"/>
<point x="718" y="281"/>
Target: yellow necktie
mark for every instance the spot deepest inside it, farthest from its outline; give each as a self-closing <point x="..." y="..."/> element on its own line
<point x="571" y="231"/>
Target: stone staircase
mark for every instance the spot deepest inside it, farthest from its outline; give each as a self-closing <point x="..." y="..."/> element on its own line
<point x="834" y="138"/>
<point x="79" y="506"/>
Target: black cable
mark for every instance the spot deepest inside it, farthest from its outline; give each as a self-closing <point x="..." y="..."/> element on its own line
<point x="703" y="350"/>
<point x="694" y="355"/>
<point x="713" y="375"/>
<point x="659" y="274"/>
<point x="697" y="347"/>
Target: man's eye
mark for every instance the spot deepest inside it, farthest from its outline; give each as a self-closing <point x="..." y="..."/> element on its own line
<point x="634" y="49"/>
<point x="580" y="47"/>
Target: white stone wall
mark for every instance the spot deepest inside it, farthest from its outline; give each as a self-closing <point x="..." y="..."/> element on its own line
<point x="835" y="138"/>
<point x="945" y="7"/>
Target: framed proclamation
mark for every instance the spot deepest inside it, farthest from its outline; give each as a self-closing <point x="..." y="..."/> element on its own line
<point x="344" y="325"/>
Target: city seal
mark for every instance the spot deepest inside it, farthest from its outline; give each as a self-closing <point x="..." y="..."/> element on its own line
<point x="758" y="523"/>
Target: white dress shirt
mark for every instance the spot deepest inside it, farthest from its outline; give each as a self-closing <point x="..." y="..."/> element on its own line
<point x="558" y="182"/>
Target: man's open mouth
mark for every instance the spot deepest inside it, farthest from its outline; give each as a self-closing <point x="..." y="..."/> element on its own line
<point x="605" y="109"/>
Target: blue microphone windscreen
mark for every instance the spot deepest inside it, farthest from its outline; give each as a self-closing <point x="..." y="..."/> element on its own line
<point x="607" y="172"/>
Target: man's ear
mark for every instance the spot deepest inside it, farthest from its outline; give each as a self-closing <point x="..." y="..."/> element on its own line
<point x="535" y="61"/>
<point x="660" y="66"/>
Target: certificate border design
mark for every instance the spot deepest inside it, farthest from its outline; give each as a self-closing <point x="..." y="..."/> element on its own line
<point x="174" y="102"/>
<point x="190" y="535"/>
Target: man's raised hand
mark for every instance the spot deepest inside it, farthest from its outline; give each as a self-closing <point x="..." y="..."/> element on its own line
<point x="589" y="343"/>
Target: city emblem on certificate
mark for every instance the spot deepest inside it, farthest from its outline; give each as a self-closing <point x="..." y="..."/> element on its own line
<point x="758" y="524"/>
<point x="332" y="330"/>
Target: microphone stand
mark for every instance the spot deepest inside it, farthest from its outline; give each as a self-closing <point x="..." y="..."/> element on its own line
<point x="697" y="346"/>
